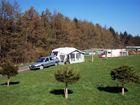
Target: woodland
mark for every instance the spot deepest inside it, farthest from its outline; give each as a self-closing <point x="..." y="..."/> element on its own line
<point x="25" y="36"/>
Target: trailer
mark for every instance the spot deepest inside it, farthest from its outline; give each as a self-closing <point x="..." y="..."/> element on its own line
<point x="113" y="53"/>
<point x="68" y="55"/>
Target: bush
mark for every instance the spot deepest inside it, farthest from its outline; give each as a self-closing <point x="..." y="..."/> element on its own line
<point x="124" y="74"/>
<point x="67" y="75"/>
<point x="8" y="69"/>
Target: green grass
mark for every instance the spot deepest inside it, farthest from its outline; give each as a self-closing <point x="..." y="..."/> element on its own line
<point x="35" y="86"/>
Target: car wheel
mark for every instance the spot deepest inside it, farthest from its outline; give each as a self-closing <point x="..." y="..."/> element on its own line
<point x="56" y="64"/>
<point x="41" y="67"/>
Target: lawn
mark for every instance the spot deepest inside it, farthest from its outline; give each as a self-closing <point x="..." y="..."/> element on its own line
<point x="94" y="87"/>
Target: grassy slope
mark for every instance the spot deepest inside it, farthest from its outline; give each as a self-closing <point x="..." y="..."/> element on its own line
<point x="35" y="86"/>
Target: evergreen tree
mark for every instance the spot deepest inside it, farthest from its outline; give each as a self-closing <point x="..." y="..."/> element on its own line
<point x="124" y="74"/>
<point x="68" y="76"/>
<point x="8" y="70"/>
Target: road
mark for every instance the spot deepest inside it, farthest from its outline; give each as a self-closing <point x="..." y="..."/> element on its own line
<point x="23" y="68"/>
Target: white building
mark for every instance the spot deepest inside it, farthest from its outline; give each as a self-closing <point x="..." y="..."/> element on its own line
<point x="114" y="53"/>
<point x="68" y="55"/>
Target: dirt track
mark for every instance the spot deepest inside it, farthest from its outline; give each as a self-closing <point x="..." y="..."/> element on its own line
<point x="23" y="68"/>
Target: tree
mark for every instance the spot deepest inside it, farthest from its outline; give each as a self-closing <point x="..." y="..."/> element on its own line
<point x="124" y="74"/>
<point x="8" y="70"/>
<point x="9" y="30"/>
<point x="67" y="75"/>
<point x="22" y="34"/>
<point x="116" y="38"/>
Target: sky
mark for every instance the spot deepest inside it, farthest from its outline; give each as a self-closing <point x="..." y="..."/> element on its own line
<point x="122" y="15"/>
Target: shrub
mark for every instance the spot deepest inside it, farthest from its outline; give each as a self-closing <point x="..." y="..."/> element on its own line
<point x="67" y="75"/>
<point x="8" y="69"/>
<point x="124" y="74"/>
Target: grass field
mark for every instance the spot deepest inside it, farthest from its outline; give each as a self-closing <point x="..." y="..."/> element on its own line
<point x="93" y="88"/>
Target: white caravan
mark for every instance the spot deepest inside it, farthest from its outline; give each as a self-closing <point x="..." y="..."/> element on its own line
<point x="114" y="53"/>
<point x="68" y="55"/>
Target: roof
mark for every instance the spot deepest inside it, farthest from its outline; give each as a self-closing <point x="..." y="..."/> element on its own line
<point x="66" y="50"/>
<point x="131" y="47"/>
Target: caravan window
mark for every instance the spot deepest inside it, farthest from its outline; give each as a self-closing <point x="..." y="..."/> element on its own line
<point x="109" y="52"/>
<point x="55" y="53"/>
<point x="72" y="56"/>
<point x="62" y="58"/>
<point x="78" y="56"/>
<point x="123" y="53"/>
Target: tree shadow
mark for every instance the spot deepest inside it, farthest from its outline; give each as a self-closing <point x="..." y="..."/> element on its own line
<point x="11" y="83"/>
<point x="115" y="89"/>
<point x="60" y="92"/>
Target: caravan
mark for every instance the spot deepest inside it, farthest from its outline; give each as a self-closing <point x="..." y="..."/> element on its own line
<point x="68" y="55"/>
<point x="113" y="53"/>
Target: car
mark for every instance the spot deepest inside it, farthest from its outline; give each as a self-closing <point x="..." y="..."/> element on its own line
<point x="43" y="62"/>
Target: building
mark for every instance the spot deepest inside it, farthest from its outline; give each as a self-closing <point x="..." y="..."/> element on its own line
<point x="135" y="48"/>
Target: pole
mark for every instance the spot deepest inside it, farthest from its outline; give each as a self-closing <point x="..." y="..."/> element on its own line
<point x="92" y="55"/>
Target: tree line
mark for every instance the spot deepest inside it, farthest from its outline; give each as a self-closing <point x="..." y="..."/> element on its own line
<point x="24" y="36"/>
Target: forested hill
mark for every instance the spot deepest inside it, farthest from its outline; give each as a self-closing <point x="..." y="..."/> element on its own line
<point x="28" y="35"/>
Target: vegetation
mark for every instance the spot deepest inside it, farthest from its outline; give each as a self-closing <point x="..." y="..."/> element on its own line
<point x="8" y="69"/>
<point x="26" y="36"/>
<point x="94" y="86"/>
<point x="67" y="75"/>
<point x="124" y="74"/>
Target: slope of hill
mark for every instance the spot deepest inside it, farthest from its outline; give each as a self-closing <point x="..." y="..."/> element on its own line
<point x="28" y="35"/>
<point x="94" y="87"/>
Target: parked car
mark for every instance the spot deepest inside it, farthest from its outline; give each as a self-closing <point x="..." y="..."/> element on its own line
<point x="43" y="62"/>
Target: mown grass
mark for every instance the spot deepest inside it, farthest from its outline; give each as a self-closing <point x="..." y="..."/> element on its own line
<point x="35" y="87"/>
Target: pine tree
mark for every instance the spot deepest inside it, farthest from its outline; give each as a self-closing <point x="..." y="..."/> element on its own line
<point x="68" y="76"/>
<point x="124" y="74"/>
<point x="8" y="69"/>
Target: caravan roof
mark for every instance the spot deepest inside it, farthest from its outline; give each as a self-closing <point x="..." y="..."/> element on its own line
<point x="65" y="50"/>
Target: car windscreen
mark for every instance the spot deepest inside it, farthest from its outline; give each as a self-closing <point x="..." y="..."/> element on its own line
<point x="41" y="60"/>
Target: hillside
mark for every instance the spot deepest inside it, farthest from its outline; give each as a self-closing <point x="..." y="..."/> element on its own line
<point x="24" y="36"/>
<point x="95" y="86"/>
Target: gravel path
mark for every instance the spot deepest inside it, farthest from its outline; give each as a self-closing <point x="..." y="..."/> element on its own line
<point x="23" y="68"/>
